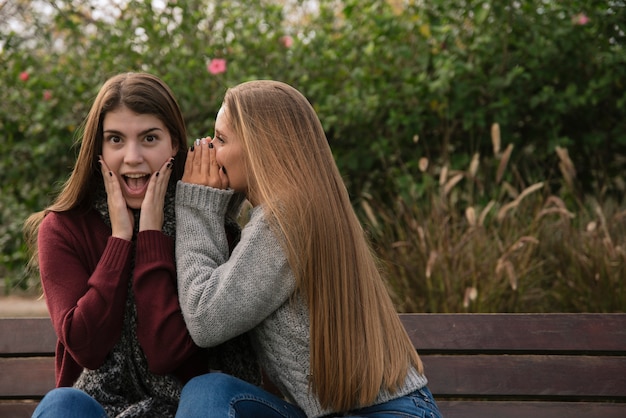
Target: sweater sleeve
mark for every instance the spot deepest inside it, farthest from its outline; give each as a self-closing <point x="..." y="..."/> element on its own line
<point x="224" y="297"/>
<point x="161" y="328"/>
<point x="86" y="307"/>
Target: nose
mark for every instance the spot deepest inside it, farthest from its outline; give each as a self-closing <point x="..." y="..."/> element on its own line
<point x="134" y="154"/>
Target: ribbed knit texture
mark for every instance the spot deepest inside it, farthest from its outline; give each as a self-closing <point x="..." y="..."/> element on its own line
<point x="250" y="291"/>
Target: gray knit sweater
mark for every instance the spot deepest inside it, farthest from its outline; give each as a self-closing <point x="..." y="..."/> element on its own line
<point x="222" y="297"/>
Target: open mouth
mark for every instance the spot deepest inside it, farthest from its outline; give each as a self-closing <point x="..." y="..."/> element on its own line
<point x="136" y="182"/>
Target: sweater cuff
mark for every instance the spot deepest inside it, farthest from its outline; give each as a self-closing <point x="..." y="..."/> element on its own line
<point x="202" y="197"/>
<point x="154" y="245"/>
<point x="116" y="254"/>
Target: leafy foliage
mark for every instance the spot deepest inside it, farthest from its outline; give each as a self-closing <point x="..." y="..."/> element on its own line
<point x="396" y="83"/>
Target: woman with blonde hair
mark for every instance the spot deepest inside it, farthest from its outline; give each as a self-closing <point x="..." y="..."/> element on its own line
<point x="303" y="279"/>
<point x="105" y="253"/>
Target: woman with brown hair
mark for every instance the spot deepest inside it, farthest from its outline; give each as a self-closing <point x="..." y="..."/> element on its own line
<point x="302" y="280"/>
<point x="105" y="254"/>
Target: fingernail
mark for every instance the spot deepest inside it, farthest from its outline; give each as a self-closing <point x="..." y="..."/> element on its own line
<point x="111" y="173"/>
<point x="191" y="149"/>
<point x="210" y="144"/>
<point x="197" y="141"/>
<point x="157" y="174"/>
<point x="169" y="165"/>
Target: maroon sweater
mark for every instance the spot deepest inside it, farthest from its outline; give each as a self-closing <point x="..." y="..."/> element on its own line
<point x="85" y="274"/>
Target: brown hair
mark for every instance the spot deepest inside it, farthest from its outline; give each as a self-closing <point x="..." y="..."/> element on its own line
<point x="358" y="344"/>
<point x="143" y="94"/>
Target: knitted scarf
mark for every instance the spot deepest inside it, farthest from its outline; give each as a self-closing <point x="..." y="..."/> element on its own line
<point x="123" y="385"/>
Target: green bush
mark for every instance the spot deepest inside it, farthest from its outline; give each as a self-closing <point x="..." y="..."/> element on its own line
<point x="395" y="83"/>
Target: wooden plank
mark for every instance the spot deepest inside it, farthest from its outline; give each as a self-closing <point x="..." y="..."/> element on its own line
<point x="526" y="375"/>
<point x="507" y="332"/>
<point x="26" y="335"/>
<point x="17" y="409"/>
<point x="26" y="376"/>
<point x="510" y="409"/>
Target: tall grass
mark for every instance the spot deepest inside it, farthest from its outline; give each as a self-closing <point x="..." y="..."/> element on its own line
<point x="474" y="241"/>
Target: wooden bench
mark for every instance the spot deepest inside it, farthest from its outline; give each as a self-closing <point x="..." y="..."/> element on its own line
<point x="26" y="364"/>
<point x="523" y="365"/>
<point x="478" y="365"/>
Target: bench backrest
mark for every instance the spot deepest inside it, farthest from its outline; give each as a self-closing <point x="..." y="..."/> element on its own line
<point x="523" y="365"/>
<point x="478" y="365"/>
<point x="26" y="364"/>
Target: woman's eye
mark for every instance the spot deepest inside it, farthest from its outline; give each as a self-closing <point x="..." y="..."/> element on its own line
<point x="114" y="139"/>
<point x="151" y="138"/>
<point x="219" y="139"/>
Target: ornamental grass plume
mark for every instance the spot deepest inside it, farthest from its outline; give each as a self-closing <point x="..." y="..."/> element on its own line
<point x="519" y="244"/>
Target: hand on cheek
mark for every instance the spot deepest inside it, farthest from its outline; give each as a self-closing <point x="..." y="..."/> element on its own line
<point x="120" y="215"/>
<point x="152" y="216"/>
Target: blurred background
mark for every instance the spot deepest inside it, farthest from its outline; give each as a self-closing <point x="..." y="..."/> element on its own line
<point x="483" y="142"/>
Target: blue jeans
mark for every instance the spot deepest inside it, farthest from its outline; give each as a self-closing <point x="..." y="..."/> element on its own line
<point x="68" y="403"/>
<point x="221" y="395"/>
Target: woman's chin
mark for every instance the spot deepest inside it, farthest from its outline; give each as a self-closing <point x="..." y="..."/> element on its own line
<point x="134" y="202"/>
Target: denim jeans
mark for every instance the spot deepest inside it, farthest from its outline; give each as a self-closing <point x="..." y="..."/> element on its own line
<point x="221" y="395"/>
<point x="68" y="403"/>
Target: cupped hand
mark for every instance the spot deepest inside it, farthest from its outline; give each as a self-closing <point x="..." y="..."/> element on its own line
<point x="121" y="216"/>
<point x="151" y="217"/>
<point x="201" y="166"/>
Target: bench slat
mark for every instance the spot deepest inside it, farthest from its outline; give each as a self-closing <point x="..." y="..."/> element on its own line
<point x="26" y="376"/>
<point x="26" y="335"/>
<point x="478" y="365"/>
<point x="508" y="409"/>
<point x="525" y="332"/>
<point x="526" y="375"/>
<point x="17" y="409"/>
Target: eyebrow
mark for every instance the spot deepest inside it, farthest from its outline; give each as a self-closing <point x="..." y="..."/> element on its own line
<point x="144" y="132"/>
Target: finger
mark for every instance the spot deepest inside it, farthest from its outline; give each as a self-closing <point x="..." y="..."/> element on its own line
<point x="214" y="169"/>
<point x="206" y="162"/>
<point x="158" y="182"/>
<point x="104" y="169"/>
<point x="111" y="183"/>
<point x="188" y="165"/>
<point x="151" y="217"/>
<point x="196" y="172"/>
<point x="121" y="222"/>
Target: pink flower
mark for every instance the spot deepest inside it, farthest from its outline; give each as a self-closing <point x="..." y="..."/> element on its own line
<point x="47" y="95"/>
<point x="216" y="66"/>
<point x="580" y="19"/>
<point x="24" y="76"/>
<point x="287" y="41"/>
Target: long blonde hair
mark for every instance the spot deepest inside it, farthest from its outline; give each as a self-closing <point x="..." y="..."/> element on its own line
<point x="358" y="344"/>
<point x="143" y="94"/>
